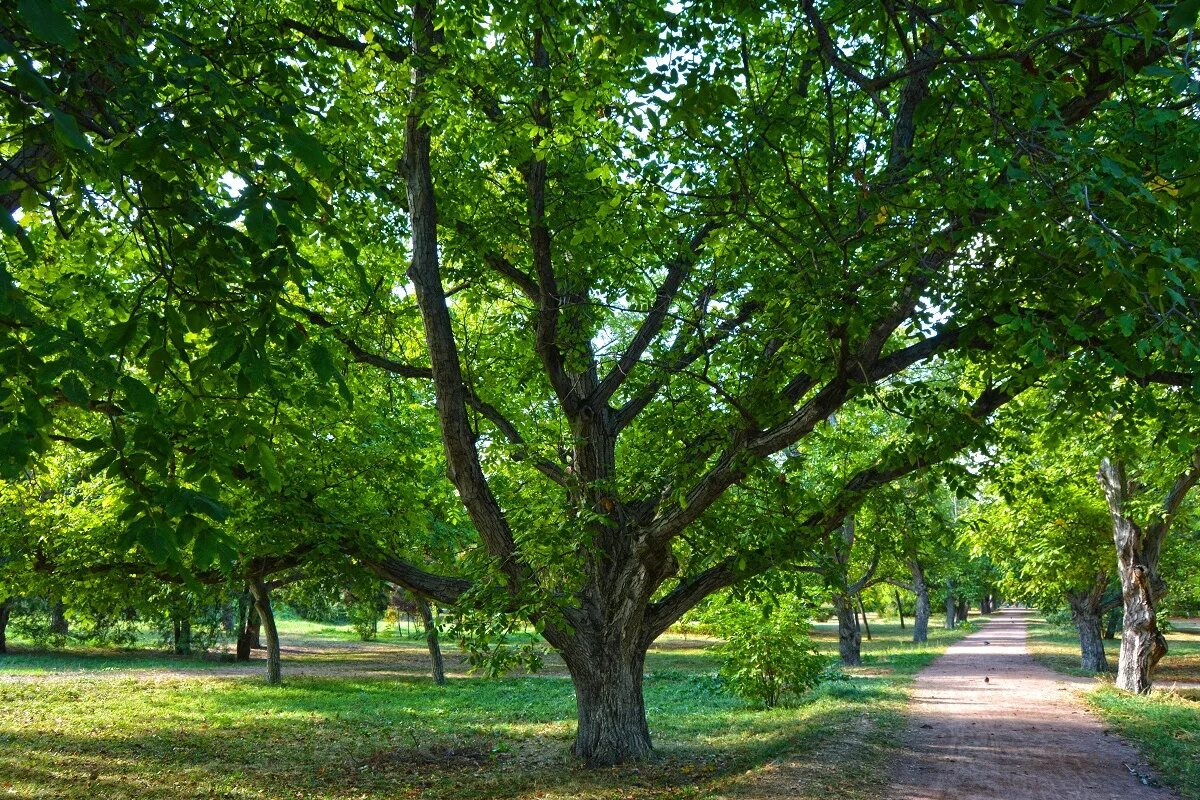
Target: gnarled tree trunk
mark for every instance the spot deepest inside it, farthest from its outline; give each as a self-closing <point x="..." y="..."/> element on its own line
<point x="849" y="636"/>
<point x="262" y="604"/>
<point x="1138" y="550"/>
<point x="1086" y="610"/>
<point x="612" y="711"/>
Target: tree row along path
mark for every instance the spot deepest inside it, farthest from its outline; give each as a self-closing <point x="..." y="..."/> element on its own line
<point x="988" y="721"/>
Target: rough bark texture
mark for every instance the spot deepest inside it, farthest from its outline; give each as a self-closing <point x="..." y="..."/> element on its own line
<point x="437" y="665"/>
<point x="612" y="713"/>
<point x="1138" y="550"/>
<point x="262" y="604"/>
<point x="1086" y="611"/>
<point x="923" y="609"/>
<point x="849" y="636"/>
<point x="5" y="611"/>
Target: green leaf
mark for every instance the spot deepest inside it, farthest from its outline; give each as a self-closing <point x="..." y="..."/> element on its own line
<point x="47" y="20"/>
<point x="74" y="390"/>
<point x="138" y="397"/>
<point x="68" y="131"/>
<point x="1185" y="14"/>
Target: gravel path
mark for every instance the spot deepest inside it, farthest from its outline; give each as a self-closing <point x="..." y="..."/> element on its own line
<point x="988" y="722"/>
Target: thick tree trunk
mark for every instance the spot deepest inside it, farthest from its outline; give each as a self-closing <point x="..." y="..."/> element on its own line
<point x="1085" y="613"/>
<point x="612" y="712"/>
<point x="1138" y="550"/>
<point x="437" y="665"/>
<point x="923" y="609"/>
<point x="960" y="613"/>
<point x="262" y="604"/>
<point x="849" y="636"/>
<point x="5" y="611"/>
<point x="58" y="617"/>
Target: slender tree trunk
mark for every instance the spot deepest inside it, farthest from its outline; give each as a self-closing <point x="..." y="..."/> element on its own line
<point x="899" y="608"/>
<point x="866" y="625"/>
<point x="849" y="636"/>
<point x="256" y="627"/>
<point x="951" y="606"/>
<point x="1085" y="613"/>
<point x="181" y="629"/>
<point x="431" y="639"/>
<point x="244" y="611"/>
<point x="923" y="609"/>
<point x="262" y="603"/>
<point x="5" y="611"/>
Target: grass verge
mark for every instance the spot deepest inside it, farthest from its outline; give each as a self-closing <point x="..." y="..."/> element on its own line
<point x="127" y="730"/>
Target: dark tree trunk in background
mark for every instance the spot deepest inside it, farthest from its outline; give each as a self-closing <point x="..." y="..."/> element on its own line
<point x="964" y="607"/>
<point x="1085" y="613"/>
<point x="228" y="618"/>
<point x="899" y="608"/>
<point x="181" y="629"/>
<point x="262" y="604"/>
<point x="849" y="637"/>
<point x="245" y="634"/>
<point x="5" y="611"/>
<point x="866" y="625"/>
<point x="431" y="639"/>
<point x="58" y="617"/>
<point x="256" y="627"/>
<point x="1112" y="621"/>
<point x="951" y="606"/>
<point x="1138" y="551"/>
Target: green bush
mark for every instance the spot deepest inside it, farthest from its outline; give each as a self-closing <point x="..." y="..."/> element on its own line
<point x="769" y="659"/>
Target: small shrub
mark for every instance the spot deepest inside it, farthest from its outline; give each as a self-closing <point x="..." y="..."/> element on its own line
<point x="769" y="659"/>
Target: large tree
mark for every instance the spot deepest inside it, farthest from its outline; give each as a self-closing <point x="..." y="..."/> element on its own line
<point x="650" y="254"/>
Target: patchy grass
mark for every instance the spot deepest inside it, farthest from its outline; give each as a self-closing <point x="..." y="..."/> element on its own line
<point x="1165" y="724"/>
<point x="79" y="724"/>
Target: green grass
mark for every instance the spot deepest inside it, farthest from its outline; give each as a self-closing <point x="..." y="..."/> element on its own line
<point x="1163" y="725"/>
<point x="167" y="727"/>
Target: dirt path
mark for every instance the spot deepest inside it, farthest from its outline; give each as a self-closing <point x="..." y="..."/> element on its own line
<point x="1020" y="735"/>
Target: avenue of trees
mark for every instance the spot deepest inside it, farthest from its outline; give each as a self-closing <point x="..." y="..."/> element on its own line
<point x="573" y="315"/>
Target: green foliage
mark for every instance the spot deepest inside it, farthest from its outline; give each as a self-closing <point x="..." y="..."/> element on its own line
<point x="768" y="659"/>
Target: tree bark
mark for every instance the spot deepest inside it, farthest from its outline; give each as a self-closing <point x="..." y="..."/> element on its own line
<point x="951" y="606"/>
<point x="899" y="608"/>
<point x="1138" y="550"/>
<point x="1085" y="613"/>
<point x="245" y="610"/>
<point x="5" y="611"/>
<point x="611" y="708"/>
<point x="262" y="604"/>
<point x="437" y="665"/>
<point x="849" y="636"/>
<point x="961" y="611"/>
<point x="923" y="609"/>
<point x="866" y="625"/>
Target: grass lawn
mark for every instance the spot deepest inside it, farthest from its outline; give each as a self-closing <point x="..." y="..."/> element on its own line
<point x="137" y="725"/>
<point x="1164" y="725"/>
